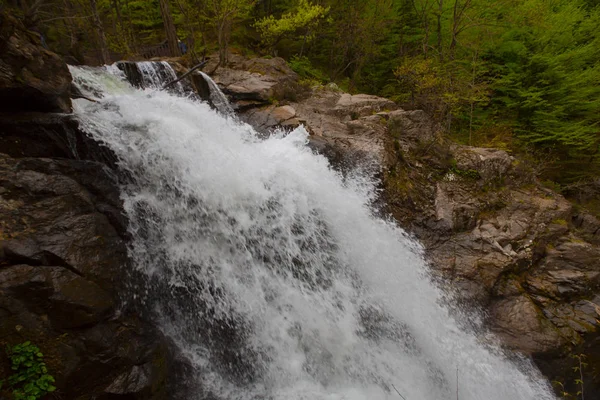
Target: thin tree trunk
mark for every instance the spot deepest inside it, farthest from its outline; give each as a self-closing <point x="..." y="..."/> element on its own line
<point x="457" y="18"/>
<point x="170" y="30"/>
<point x="103" y="47"/>
<point x="222" y="45"/>
<point x="439" y="29"/>
<point x="303" y="43"/>
<point x="191" y="39"/>
<point x="132" y="37"/>
<point x="117" y="9"/>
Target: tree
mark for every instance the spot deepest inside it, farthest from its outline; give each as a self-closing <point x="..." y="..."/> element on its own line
<point x="173" y="42"/>
<point x="222" y="14"/>
<point x="304" y="19"/>
<point x="101" y="36"/>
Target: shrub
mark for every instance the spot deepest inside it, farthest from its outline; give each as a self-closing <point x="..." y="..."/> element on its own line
<point x="30" y="379"/>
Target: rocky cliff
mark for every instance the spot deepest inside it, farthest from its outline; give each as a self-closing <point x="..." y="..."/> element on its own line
<point x="519" y="252"/>
<point x="63" y="257"/>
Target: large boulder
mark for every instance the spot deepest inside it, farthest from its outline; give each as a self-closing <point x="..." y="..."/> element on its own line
<point x="255" y="81"/>
<point x="63" y="266"/>
<point x="31" y="77"/>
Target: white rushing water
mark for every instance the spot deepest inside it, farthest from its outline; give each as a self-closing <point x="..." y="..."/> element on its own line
<point x="217" y="97"/>
<point x="270" y="271"/>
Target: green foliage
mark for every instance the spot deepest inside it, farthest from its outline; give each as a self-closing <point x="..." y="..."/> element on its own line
<point x="463" y="173"/>
<point x="304" y="19"/>
<point x="549" y="74"/>
<point x="30" y="379"/>
<point x="578" y="382"/>
<point x="303" y="67"/>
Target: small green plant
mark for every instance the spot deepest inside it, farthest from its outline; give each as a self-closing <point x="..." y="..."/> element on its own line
<point x="30" y="379"/>
<point x="579" y="368"/>
<point x="578" y="382"/>
<point x="463" y="173"/>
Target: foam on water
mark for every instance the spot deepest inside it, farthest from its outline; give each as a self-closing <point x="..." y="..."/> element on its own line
<point x="271" y="272"/>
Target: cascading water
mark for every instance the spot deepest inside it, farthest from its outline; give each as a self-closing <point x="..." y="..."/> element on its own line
<point x="271" y="273"/>
<point x="217" y="97"/>
<point x="148" y="74"/>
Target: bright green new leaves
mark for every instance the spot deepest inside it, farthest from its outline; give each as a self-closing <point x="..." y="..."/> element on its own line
<point x="303" y="19"/>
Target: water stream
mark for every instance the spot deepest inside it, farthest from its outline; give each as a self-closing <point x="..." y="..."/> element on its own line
<point x="270" y="270"/>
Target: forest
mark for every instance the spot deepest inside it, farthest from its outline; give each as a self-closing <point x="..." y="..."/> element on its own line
<point x="520" y="75"/>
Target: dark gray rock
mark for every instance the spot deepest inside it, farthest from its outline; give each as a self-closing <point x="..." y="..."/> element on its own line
<point x="31" y="77"/>
<point x="63" y="264"/>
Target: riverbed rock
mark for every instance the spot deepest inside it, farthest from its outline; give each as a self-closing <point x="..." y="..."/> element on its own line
<point x="31" y="77"/>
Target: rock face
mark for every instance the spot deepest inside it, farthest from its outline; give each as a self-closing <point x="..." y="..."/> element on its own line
<point x="491" y="231"/>
<point x="63" y="258"/>
<point x="268" y="96"/>
<point x="31" y="77"/>
<point x="506" y="244"/>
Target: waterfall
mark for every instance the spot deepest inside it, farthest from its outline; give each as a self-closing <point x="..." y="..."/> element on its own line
<point x="271" y="272"/>
<point x="217" y="97"/>
<point x="148" y="74"/>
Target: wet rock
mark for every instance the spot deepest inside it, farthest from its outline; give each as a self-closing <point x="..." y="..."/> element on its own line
<point x="59" y="215"/>
<point x="31" y="77"/>
<point x="521" y="326"/>
<point x="136" y="380"/>
<point x="69" y="300"/>
<point x="63" y="263"/>
<point x="49" y="135"/>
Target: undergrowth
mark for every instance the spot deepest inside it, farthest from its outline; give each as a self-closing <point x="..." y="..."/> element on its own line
<point x="30" y="379"/>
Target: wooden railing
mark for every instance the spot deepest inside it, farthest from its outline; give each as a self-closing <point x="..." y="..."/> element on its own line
<point x="162" y="50"/>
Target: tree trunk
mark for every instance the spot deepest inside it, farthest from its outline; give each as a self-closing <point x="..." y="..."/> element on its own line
<point x="170" y="30"/>
<point x="190" y="39"/>
<point x="439" y="29"/>
<point x="223" y="40"/>
<point x="103" y="47"/>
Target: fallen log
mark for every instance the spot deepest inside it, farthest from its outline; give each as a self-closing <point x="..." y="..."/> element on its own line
<point x="202" y="64"/>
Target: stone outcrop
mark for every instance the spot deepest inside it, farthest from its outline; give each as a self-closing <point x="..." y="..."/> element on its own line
<point x="267" y="95"/>
<point x="63" y="258"/>
<point x="31" y="77"/>
<point x="519" y="251"/>
<point x="255" y="82"/>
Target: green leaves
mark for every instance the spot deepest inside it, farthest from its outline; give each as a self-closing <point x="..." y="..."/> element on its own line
<point x="31" y="380"/>
<point x="305" y="17"/>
